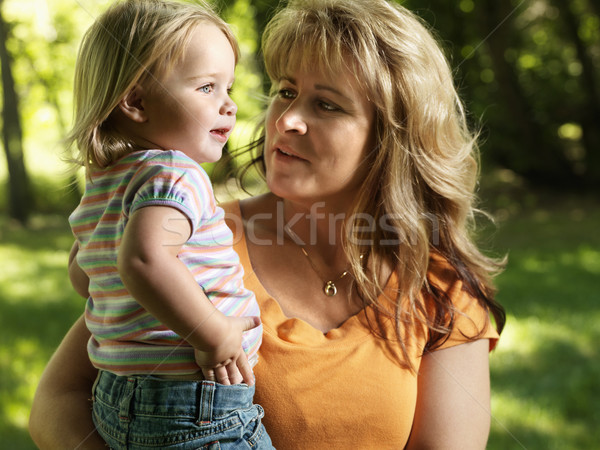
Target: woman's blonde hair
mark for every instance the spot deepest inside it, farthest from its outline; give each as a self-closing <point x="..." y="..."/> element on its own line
<point x="424" y="169"/>
<point x="134" y="41"/>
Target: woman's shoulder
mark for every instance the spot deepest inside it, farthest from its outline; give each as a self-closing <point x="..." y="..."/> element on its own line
<point x="441" y="272"/>
<point x="471" y="315"/>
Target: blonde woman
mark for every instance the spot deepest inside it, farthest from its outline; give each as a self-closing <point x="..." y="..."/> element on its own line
<point x="375" y="301"/>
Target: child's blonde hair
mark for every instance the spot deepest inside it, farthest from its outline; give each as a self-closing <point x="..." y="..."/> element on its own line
<point x="134" y="41"/>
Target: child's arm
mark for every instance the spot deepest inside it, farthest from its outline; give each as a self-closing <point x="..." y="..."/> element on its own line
<point x="79" y="279"/>
<point x="164" y="286"/>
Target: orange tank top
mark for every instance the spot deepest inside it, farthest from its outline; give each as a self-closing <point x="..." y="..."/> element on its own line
<point x="343" y="389"/>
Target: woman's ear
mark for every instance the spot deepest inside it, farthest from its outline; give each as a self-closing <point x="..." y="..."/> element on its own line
<point x="132" y="104"/>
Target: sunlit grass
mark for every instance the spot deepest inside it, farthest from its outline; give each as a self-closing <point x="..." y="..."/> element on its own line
<point x="545" y="371"/>
<point x="37" y="305"/>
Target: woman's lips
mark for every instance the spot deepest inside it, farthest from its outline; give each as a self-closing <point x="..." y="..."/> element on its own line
<point x="284" y="154"/>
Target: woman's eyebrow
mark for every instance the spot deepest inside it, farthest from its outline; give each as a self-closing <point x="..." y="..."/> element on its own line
<point x="324" y="87"/>
<point x="319" y="87"/>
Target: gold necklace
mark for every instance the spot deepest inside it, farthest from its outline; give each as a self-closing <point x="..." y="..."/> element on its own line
<point x="329" y="289"/>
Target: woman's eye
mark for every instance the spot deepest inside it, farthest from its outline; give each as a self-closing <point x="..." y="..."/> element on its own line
<point x="285" y="93"/>
<point x="207" y="89"/>
<point x="328" y="106"/>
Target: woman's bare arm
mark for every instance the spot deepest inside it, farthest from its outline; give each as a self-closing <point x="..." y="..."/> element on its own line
<point x="61" y="414"/>
<point x="453" y="400"/>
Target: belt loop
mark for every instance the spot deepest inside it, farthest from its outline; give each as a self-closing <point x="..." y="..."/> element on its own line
<point x="126" y="397"/>
<point x="205" y="406"/>
<point x="96" y="384"/>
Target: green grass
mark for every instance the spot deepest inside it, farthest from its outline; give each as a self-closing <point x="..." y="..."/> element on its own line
<point x="545" y="371"/>
<point x="37" y="305"/>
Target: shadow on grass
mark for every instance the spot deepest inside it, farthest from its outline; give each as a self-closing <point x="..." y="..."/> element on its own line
<point x="551" y="392"/>
<point x="30" y="334"/>
<point x="545" y="372"/>
<point x="42" y="233"/>
<point x="37" y="306"/>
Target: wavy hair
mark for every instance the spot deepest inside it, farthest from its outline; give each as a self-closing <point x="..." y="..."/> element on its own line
<point x="424" y="169"/>
<point x="134" y="41"/>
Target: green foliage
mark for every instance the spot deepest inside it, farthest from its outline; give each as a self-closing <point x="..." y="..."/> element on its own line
<point x="534" y="101"/>
<point x="247" y="92"/>
<point x="523" y="74"/>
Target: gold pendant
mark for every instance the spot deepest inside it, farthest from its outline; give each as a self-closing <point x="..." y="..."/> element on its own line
<point x="330" y="289"/>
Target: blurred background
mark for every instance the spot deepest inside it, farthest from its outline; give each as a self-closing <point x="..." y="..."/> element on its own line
<point x="529" y="72"/>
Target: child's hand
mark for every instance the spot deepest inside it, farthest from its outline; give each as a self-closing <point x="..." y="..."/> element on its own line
<point x="227" y="363"/>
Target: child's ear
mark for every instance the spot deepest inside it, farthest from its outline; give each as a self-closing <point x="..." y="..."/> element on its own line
<point x="132" y="105"/>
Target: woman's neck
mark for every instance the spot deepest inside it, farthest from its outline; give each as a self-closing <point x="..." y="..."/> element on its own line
<point x="317" y="226"/>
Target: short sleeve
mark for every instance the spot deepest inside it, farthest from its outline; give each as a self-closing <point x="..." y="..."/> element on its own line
<point x="470" y="319"/>
<point x="170" y="178"/>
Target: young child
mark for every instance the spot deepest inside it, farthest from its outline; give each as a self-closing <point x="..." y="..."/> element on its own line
<point x="167" y="308"/>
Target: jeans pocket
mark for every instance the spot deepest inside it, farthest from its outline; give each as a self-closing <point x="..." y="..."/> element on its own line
<point x="255" y="433"/>
<point x="106" y="421"/>
<point x="211" y="446"/>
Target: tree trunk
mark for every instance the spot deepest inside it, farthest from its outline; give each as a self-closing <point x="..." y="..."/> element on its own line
<point x="543" y="162"/>
<point x="590" y="114"/>
<point x="72" y="191"/>
<point x="19" y="201"/>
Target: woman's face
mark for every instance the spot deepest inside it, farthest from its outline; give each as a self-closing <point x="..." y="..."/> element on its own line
<point x="319" y="133"/>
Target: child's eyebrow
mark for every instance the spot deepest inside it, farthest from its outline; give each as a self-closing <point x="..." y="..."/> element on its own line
<point x="199" y="77"/>
<point x="205" y="76"/>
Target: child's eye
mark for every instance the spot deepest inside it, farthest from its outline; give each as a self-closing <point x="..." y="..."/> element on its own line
<point x="207" y="88"/>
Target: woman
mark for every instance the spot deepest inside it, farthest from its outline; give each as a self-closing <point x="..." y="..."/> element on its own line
<point x="373" y="297"/>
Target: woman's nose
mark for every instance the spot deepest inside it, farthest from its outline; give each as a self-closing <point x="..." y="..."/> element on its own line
<point x="291" y="120"/>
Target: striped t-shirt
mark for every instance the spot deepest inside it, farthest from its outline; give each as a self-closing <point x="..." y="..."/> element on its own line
<point x="125" y="338"/>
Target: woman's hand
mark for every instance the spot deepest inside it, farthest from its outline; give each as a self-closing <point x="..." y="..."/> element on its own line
<point x="226" y="362"/>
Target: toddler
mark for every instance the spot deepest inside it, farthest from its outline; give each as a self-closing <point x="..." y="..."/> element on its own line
<point x="174" y="331"/>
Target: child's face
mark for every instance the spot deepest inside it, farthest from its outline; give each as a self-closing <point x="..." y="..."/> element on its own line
<point x="190" y="109"/>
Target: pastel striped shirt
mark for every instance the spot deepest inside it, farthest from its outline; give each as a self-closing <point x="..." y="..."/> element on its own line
<point x="126" y="339"/>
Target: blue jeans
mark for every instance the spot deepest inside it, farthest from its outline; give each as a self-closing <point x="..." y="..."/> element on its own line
<point x="141" y="412"/>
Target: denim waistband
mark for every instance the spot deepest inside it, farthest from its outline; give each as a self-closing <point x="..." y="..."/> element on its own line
<point x="143" y="394"/>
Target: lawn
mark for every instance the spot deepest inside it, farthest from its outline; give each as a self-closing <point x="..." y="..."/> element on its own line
<point x="545" y="371"/>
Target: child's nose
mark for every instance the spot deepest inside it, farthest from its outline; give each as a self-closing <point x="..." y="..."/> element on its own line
<point x="229" y="107"/>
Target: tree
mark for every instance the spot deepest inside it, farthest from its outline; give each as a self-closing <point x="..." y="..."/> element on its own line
<point x="540" y="159"/>
<point x="529" y="71"/>
<point x="589" y="115"/>
<point x="19" y="187"/>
